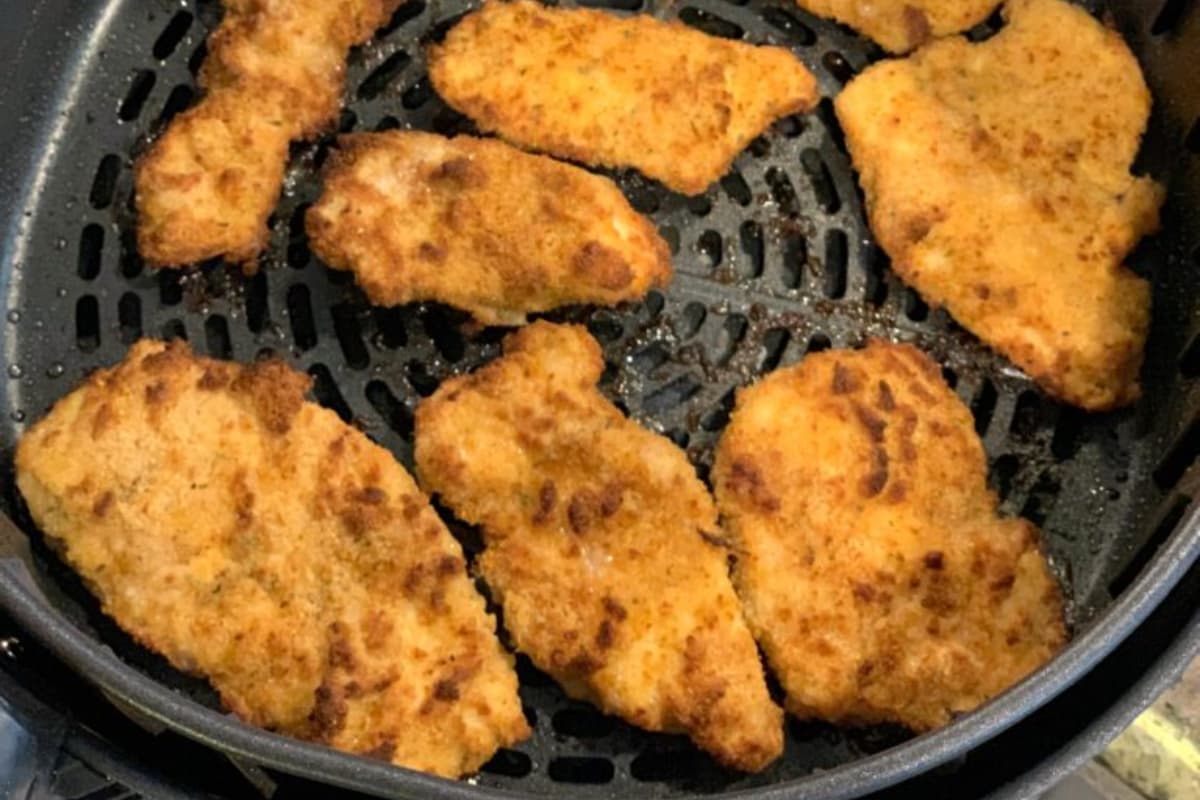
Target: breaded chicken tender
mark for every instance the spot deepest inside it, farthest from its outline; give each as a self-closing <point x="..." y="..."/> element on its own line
<point x="594" y="87"/>
<point x="997" y="179"/>
<point x="600" y="545"/>
<point x="255" y="539"/>
<point x="480" y="225"/>
<point x="902" y="25"/>
<point x="871" y="563"/>
<point x="273" y="74"/>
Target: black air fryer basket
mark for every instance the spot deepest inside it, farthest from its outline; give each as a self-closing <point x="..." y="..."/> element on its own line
<point x="772" y="262"/>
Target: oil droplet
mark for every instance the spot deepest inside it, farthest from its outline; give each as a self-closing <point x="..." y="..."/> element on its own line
<point x="55" y="370"/>
<point x="14" y="316"/>
<point x="61" y="292"/>
<point x="60" y="244"/>
<point x="17" y="416"/>
<point x="15" y="371"/>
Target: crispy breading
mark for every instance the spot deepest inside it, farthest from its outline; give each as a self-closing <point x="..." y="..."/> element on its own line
<point x="273" y="74"/>
<point x="902" y="25"/>
<point x="600" y="545"/>
<point x="480" y="225"/>
<point x="871" y="562"/>
<point x="254" y="538"/>
<point x="997" y="179"/>
<point x="594" y="87"/>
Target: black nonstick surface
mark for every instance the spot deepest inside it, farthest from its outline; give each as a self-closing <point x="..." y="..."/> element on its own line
<point x="773" y="262"/>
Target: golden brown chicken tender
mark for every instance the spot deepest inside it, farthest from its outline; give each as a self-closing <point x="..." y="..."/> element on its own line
<point x="871" y="562"/>
<point x="997" y="179"/>
<point x="635" y="91"/>
<point x="255" y="539"/>
<point x="600" y="545"/>
<point x="480" y="225"/>
<point x="901" y="25"/>
<point x="273" y="74"/>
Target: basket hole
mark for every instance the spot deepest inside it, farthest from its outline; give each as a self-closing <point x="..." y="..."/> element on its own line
<point x="509" y="763"/>
<point x="325" y="392"/>
<point x="383" y="75"/>
<point x="606" y="328"/>
<point x="653" y="304"/>
<point x="787" y="24"/>
<point x="1027" y="416"/>
<point x="829" y="120"/>
<point x="1180" y="456"/>
<point x="1001" y="475"/>
<point x="417" y="95"/>
<point x="661" y="766"/>
<point x="818" y="342"/>
<point x="449" y="122"/>
<point x="135" y="98"/>
<point x="1169" y="16"/>
<point x="673" y="394"/>
<point x="839" y="67"/>
<point x="983" y="406"/>
<point x="790" y="127"/>
<point x="821" y="181"/>
<point x="104" y="184"/>
<point x="914" y="307"/>
<point x="347" y="327"/>
<point x="444" y="331"/>
<point x="300" y="315"/>
<point x="87" y="323"/>
<point x="1065" y="443"/>
<point x="751" y="236"/>
<point x="1041" y="499"/>
<point x="774" y="342"/>
<point x="717" y="417"/>
<point x="649" y="358"/>
<point x="388" y="123"/>
<point x="438" y="30"/>
<point x="736" y="188"/>
<point x="836" y="256"/>
<point x="700" y="206"/>
<point x="130" y="259"/>
<point x="641" y="193"/>
<point x="172" y="35"/>
<point x="795" y="256"/>
<point x="710" y="23"/>
<point x="256" y="302"/>
<point x="782" y="192"/>
<point x="173" y="329"/>
<point x="405" y="13"/>
<point x="670" y="235"/>
<point x="988" y="28"/>
<point x="759" y="147"/>
<point x="580" y="769"/>
<point x="582" y="723"/>
<point x="1170" y="518"/>
<point x="391" y="330"/>
<point x="196" y="59"/>
<point x="91" y="244"/>
<point x="732" y="334"/>
<point x="129" y="317"/>
<point x="216" y="337"/>
<point x="419" y="379"/>
<point x="1192" y="140"/>
<point x="711" y="249"/>
<point x="875" y="290"/>
<point x="690" y="319"/>
<point x="180" y="98"/>
<point x="393" y="412"/>
<point x="298" y="254"/>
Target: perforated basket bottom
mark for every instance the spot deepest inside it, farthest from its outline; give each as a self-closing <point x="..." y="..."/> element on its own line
<point x="773" y="262"/>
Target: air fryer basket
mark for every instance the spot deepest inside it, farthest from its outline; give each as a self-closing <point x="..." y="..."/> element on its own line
<point x="772" y="262"/>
